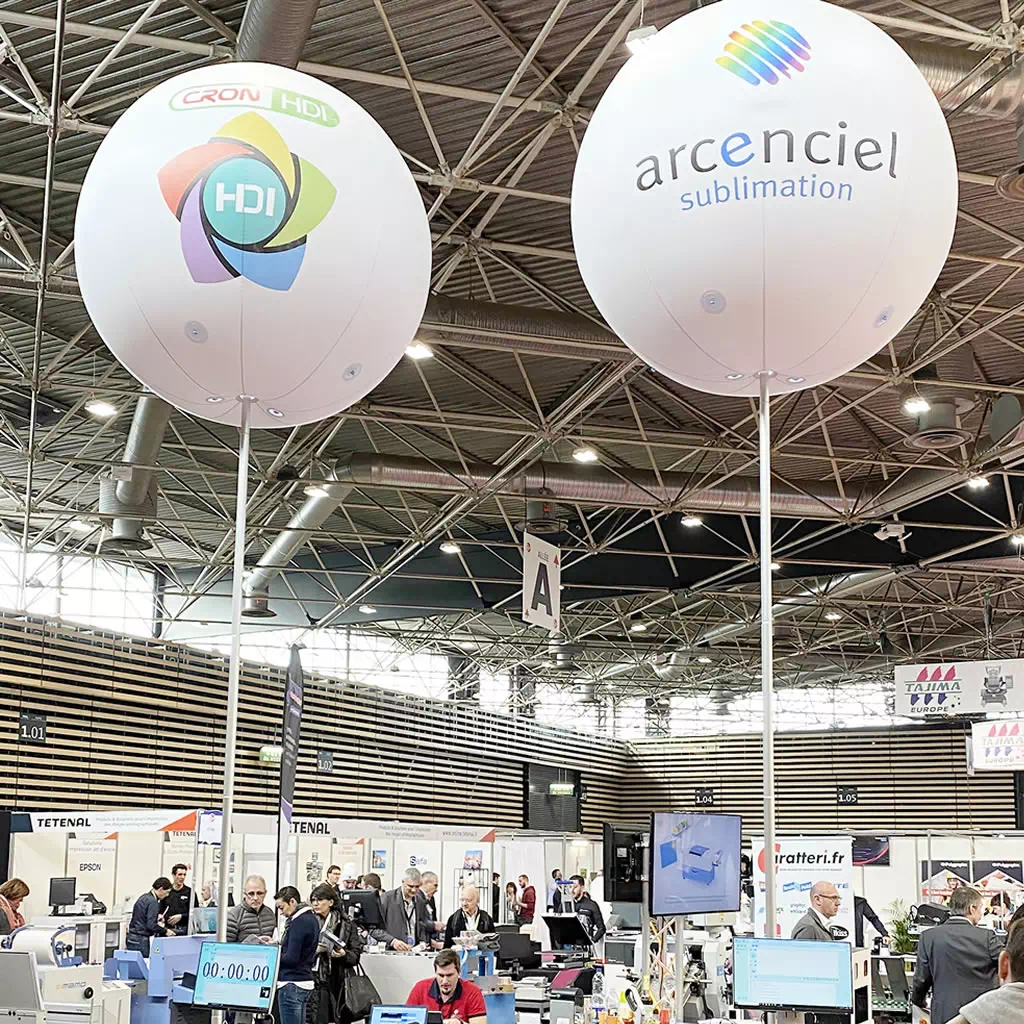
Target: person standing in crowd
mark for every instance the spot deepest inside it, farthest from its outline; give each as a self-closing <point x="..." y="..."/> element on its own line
<point x="861" y="910"/>
<point x="1004" y="1005"/>
<point x="446" y="993"/>
<point x="299" y="945"/>
<point x="428" y="891"/>
<point x="146" y="918"/>
<point x="206" y="898"/>
<point x="495" y="895"/>
<point x="179" y="901"/>
<point x="527" y="900"/>
<point x="334" y="876"/>
<point x="554" y="901"/>
<point x="12" y="892"/>
<point x="957" y="962"/>
<point x="252" y="920"/>
<point x="587" y="909"/>
<point x="349" y="880"/>
<point x="338" y="953"/>
<point x="372" y="881"/>
<point x="468" y="918"/>
<point x="403" y="914"/>
<point x="512" y="903"/>
<point x="814" y="925"/>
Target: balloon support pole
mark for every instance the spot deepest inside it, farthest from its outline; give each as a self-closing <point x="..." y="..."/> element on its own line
<point x="767" y="682"/>
<point x="234" y="671"/>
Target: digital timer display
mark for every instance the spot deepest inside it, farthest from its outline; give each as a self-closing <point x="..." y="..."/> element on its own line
<point x="236" y="975"/>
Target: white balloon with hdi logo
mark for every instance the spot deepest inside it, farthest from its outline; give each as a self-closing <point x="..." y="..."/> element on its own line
<point x="768" y="186"/>
<point x="246" y="230"/>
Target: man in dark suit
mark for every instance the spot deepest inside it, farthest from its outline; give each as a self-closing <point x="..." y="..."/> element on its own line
<point x="814" y="925"/>
<point x="470" y="917"/>
<point x="956" y="960"/>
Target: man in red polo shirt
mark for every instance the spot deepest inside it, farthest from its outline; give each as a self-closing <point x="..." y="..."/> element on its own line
<point x="457" y="999"/>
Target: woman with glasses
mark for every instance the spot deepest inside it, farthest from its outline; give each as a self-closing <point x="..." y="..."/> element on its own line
<point x="338" y="955"/>
<point x="252" y="920"/>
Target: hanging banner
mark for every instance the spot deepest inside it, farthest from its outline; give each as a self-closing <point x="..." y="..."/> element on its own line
<point x="103" y="821"/>
<point x="361" y="828"/>
<point x="799" y="863"/>
<point x="941" y="878"/>
<point x="962" y="688"/>
<point x="997" y="747"/>
<point x="542" y="583"/>
<point x="291" y="727"/>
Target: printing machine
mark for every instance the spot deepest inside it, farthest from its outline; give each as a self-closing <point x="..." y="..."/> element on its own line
<point x="72" y="992"/>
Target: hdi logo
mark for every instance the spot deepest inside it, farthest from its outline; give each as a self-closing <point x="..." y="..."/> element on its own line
<point x="766" y="48"/>
<point x="246" y="204"/>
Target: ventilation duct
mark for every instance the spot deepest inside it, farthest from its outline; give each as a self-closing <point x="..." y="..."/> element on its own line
<point x="313" y="513"/>
<point x="670" y="666"/>
<point x="132" y="500"/>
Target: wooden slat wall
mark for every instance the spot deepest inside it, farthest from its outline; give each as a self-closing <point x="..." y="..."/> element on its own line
<point x="913" y="777"/>
<point x="139" y="723"/>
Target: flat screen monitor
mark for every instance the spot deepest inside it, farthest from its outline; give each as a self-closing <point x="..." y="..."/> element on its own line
<point x="624" y="864"/>
<point x="566" y="932"/>
<point x="363" y="905"/>
<point x="398" y="1015"/>
<point x="695" y="863"/>
<point x="236" y="975"/>
<point x="790" y="974"/>
<point x="205" y="920"/>
<point x="63" y="892"/>
<point x="20" y="989"/>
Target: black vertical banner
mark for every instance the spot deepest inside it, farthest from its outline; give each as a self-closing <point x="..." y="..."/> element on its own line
<point x="291" y="726"/>
<point x="5" y="845"/>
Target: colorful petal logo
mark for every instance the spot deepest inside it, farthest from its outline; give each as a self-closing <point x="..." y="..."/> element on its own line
<point x="245" y="204"/>
<point x="768" y="47"/>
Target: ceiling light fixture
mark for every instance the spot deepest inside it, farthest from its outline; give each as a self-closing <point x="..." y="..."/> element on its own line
<point x="640" y="37"/>
<point x="315" y="491"/>
<point x="977" y="482"/>
<point x="449" y="547"/>
<point x="367" y="609"/>
<point x="775" y="567"/>
<point x="80" y="526"/>
<point x="833" y="616"/>
<point x="102" y="410"/>
<point x="276" y="413"/>
<point x="915" y="405"/>
<point x="733" y="376"/>
<point x="638" y="627"/>
<point x="692" y="521"/>
<point x="585" y="454"/>
<point x="214" y="399"/>
<point x="796" y="380"/>
<point x="417" y="350"/>
<point x="1017" y="540"/>
<point x="704" y="660"/>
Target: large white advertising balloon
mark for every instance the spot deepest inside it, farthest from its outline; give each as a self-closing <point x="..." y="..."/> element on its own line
<point x="769" y="185"/>
<point x="245" y="229"/>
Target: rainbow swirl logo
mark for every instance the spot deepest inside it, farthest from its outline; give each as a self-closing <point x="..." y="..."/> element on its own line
<point x="768" y="47"/>
<point x="246" y="204"/>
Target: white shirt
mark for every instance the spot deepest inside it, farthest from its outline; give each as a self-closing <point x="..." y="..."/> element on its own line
<point x="471" y="922"/>
<point x="823" y="919"/>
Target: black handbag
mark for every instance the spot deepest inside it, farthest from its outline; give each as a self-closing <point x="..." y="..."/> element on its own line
<point x="360" y="994"/>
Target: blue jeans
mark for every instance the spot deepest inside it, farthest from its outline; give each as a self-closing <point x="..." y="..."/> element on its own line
<point x="291" y="1004"/>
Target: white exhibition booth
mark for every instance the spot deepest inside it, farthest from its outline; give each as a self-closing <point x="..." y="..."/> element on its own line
<point x="117" y="855"/>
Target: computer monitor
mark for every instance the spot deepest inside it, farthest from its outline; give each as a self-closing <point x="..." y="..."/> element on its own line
<point x="514" y="946"/>
<point x="398" y="1014"/>
<point x="205" y="920"/>
<point x="236" y="976"/>
<point x="791" y="974"/>
<point x="695" y="863"/>
<point x="20" y="989"/>
<point x="363" y="905"/>
<point x="63" y="892"/>
<point x="567" y="932"/>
